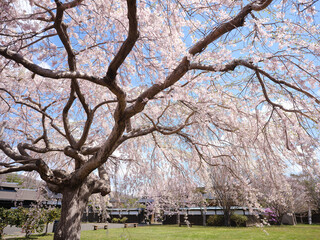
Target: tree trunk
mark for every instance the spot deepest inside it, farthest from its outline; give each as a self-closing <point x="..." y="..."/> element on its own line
<point x="227" y="217"/>
<point x="309" y="216"/>
<point x="74" y="201"/>
<point x="46" y="232"/>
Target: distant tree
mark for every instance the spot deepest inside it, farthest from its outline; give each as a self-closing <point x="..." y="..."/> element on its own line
<point x="15" y="178"/>
<point x="307" y="185"/>
<point x="225" y="190"/>
<point x="276" y="195"/>
<point x="31" y="219"/>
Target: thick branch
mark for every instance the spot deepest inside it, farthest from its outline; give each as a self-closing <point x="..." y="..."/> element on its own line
<point x="89" y="150"/>
<point x="55" y="74"/>
<point x="85" y="131"/>
<point x="103" y="153"/>
<point x="62" y="32"/>
<point x="151" y="92"/>
<point x="33" y="148"/>
<point x="122" y="54"/>
<point x="68" y="151"/>
<point x="27" y="167"/>
<point x="66" y="124"/>
<point x="137" y="133"/>
<point x="12" y="154"/>
<point x="46" y="173"/>
<point x="236" y="22"/>
<point x="128" y="44"/>
<point x="103" y="185"/>
<point x="28" y="164"/>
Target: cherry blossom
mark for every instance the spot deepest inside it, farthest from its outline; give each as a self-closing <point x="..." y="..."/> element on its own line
<point x="144" y="93"/>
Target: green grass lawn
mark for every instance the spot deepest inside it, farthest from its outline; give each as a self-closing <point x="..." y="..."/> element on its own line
<point x="299" y="232"/>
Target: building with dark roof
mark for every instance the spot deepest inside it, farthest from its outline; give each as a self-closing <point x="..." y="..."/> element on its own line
<point x="13" y="195"/>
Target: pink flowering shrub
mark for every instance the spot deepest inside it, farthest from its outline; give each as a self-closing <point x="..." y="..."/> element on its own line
<point x="271" y="216"/>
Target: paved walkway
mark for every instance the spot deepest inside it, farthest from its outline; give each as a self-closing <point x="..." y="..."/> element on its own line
<point x="11" y="232"/>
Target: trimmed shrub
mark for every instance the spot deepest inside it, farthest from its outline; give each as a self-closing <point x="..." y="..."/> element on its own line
<point x="239" y="220"/>
<point x="215" y="220"/>
<point x="123" y="220"/>
<point x="115" y="220"/>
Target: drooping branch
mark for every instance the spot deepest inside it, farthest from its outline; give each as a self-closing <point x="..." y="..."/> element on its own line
<point x="171" y="130"/>
<point x="71" y="4"/>
<point x="37" y="109"/>
<point x="240" y="62"/>
<point x="49" y="11"/>
<point x="172" y="78"/>
<point x="201" y="156"/>
<point x="265" y="93"/>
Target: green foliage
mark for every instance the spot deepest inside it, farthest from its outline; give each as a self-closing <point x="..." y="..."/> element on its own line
<point x="132" y="203"/>
<point x="215" y="220"/>
<point x="4" y="220"/>
<point x="29" y="219"/>
<point x="50" y="215"/>
<point x="115" y="220"/>
<point x="239" y="220"/>
<point x="14" y="178"/>
<point x="15" y="217"/>
<point x="123" y="220"/>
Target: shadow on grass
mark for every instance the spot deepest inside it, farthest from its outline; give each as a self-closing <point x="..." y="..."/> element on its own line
<point x="33" y="236"/>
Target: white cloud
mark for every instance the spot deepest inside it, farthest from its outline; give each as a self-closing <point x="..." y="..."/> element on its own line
<point x="45" y="65"/>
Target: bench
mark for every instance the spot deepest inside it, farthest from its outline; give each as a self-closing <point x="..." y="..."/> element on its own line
<point x="95" y="227"/>
<point x="183" y="223"/>
<point x="126" y="225"/>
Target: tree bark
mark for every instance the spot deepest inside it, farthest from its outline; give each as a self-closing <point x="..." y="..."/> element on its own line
<point x="227" y="214"/>
<point x="74" y="201"/>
